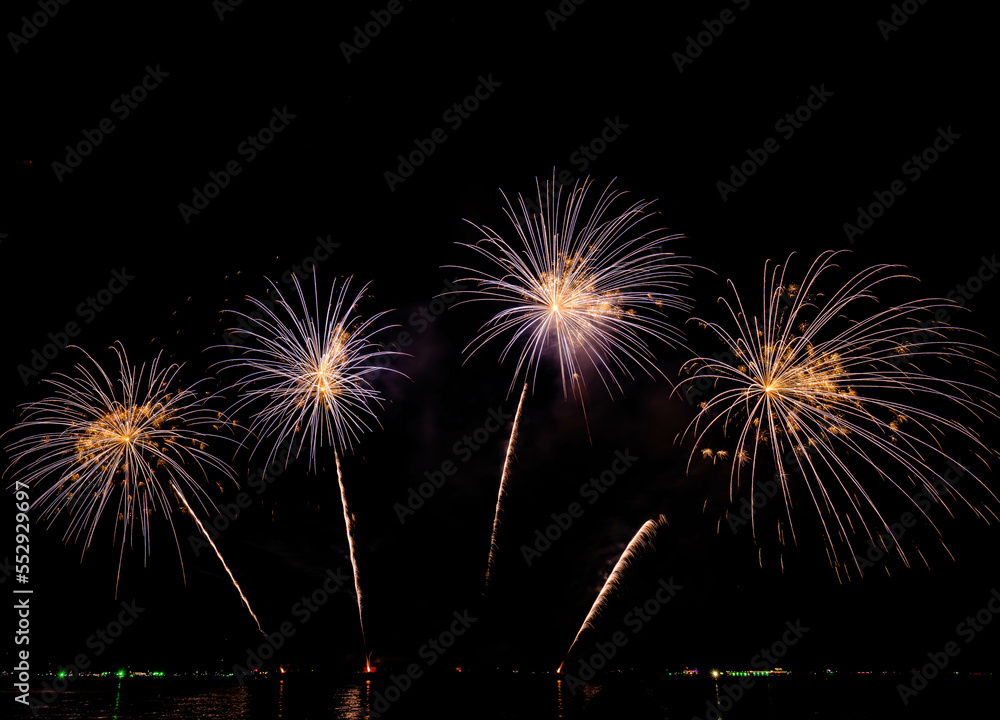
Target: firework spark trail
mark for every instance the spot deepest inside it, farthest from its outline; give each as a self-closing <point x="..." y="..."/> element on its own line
<point x="642" y="542"/>
<point x="588" y="286"/>
<point x="349" y="523"/>
<point x="219" y="555"/>
<point x="311" y="372"/>
<point x="819" y="391"/>
<point x="503" y="486"/>
<point x="132" y="437"/>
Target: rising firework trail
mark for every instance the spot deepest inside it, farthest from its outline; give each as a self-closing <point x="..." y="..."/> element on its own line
<point x="349" y="523"/>
<point x="310" y="368"/>
<point x="586" y="288"/>
<point x="122" y="446"/>
<point x="503" y="486"/>
<point x="640" y="544"/>
<point x="835" y="384"/>
<point x="208" y="537"/>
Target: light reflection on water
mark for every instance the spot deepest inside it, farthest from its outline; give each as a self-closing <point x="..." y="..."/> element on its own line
<point x="484" y="695"/>
<point x="229" y="703"/>
<point x="351" y="701"/>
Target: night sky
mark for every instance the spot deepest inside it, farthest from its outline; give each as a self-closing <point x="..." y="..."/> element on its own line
<point x="544" y="91"/>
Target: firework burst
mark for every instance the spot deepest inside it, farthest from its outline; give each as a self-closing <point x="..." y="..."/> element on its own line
<point x="830" y="395"/>
<point x="310" y="370"/>
<point x="640" y="544"/>
<point x="591" y="287"/>
<point x="588" y="288"/>
<point x="122" y="446"/>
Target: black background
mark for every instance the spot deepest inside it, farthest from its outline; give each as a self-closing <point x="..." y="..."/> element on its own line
<point x="324" y="175"/>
